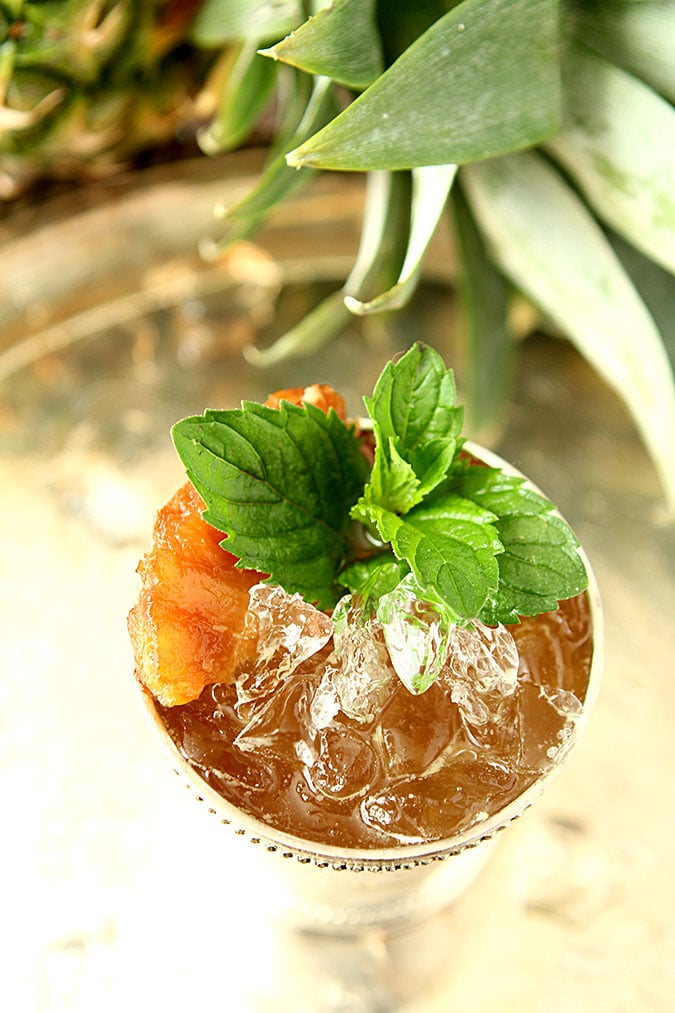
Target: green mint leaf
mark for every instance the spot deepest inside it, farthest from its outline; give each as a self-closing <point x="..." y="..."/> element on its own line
<point x="371" y="578"/>
<point x="451" y="549"/>
<point x="416" y="424"/>
<point x="540" y="566"/>
<point x="505" y="495"/>
<point x="393" y="483"/>
<point x="280" y="483"/>
<point x="452" y="509"/>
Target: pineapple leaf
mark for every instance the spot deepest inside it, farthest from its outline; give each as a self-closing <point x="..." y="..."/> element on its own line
<point x="655" y="287"/>
<point x="438" y="104"/>
<point x="640" y="37"/>
<point x="489" y="346"/>
<point x="220" y="21"/>
<point x="378" y="263"/>
<point x="621" y="152"/>
<point x="430" y="188"/>
<point x="62" y="40"/>
<point x="384" y="235"/>
<point x="340" y="42"/>
<point x="312" y="333"/>
<point x="548" y="243"/>
<point x="278" y="179"/>
<point x="247" y="85"/>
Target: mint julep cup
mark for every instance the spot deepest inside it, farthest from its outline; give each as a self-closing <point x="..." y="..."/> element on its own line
<point x="346" y="891"/>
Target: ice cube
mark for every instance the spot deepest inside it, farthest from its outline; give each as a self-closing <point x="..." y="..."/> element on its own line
<point x="541" y="724"/>
<point x="345" y="764"/>
<point x="289" y="631"/>
<point x="565" y="703"/>
<point x="325" y="702"/>
<point x="427" y="808"/>
<point x="487" y="654"/>
<point x="481" y="671"/>
<point x="273" y="694"/>
<point x="548" y="722"/>
<point x="415" y="634"/>
<point x="416" y="731"/>
<point x="362" y="674"/>
<point x="272" y="720"/>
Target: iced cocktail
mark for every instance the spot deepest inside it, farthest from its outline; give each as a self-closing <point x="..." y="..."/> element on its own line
<point x="368" y="646"/>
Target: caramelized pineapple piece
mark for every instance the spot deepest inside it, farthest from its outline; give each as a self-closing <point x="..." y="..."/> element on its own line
<point x="187" y="629"/>
<point x="188" y="626"/>
<point x="321" y="395"/>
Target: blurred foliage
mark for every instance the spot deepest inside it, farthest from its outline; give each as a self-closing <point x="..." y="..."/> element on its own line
<point x="541" y="131"/>
<point x="545" y="128"/>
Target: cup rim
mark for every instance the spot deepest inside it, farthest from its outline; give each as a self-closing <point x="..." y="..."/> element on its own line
<point x="398" y="856"/>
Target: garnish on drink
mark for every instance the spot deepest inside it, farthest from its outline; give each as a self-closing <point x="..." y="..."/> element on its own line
<point x="361" y="634"/>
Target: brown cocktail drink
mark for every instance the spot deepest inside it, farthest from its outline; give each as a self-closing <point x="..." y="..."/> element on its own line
<point x="395" y="693"/>
<point x="407" y="770"/>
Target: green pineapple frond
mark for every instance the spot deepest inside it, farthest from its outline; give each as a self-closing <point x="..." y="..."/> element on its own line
<point x="89" y="82"/>
<point x="545" y="130"/>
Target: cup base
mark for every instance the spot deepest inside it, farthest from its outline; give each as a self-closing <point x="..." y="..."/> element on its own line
<point x="349" y="902"/>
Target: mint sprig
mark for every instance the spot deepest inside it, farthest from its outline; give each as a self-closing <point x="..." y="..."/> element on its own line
<point x="450" y="547"/>
<point x="280" y="483"/>
<point x="288" y="485"/>
<point x="480" y="543"/>
<point x="417" y="427"/>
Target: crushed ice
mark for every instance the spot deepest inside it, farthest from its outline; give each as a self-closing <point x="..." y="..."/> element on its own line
<point x="336" y="707"/>
<point x="477" y="664"/>
<point x="360" y="671"/>
<point x="481" y="670"/>
<point x="289" y="631"/>
<point x="415" y="635"/>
